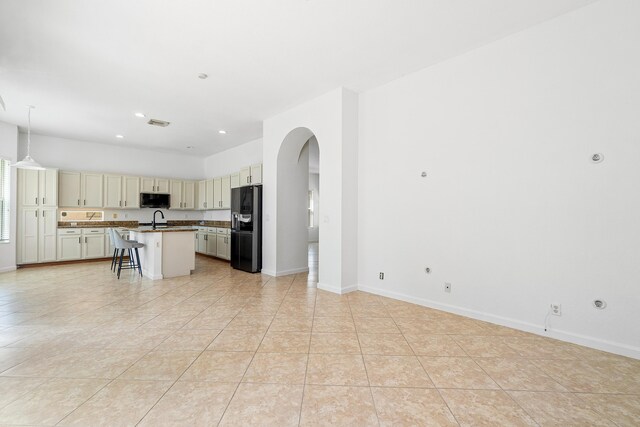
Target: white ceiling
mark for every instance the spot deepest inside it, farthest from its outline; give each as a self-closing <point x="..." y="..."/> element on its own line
<point x="88" y="65"/>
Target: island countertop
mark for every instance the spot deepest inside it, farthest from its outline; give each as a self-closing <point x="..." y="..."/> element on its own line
<point x="149" y="229"/>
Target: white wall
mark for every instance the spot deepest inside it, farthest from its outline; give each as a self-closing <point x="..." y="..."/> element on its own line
<point x="70" y="154"/>
<point x="314" y="185"/>
<point x="512" y="212"/>
<point x="9" y="151"/>
<point x="230" y="161"/>
<point x="326" y="117"/>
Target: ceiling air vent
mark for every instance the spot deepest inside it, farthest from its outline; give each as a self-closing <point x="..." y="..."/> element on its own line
<point x="156" y="122"/>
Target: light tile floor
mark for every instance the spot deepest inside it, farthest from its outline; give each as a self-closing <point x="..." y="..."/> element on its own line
<point x="222" y="347"/>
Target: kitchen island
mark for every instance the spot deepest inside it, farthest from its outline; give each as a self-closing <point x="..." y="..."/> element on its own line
<point x="168" y="251"/>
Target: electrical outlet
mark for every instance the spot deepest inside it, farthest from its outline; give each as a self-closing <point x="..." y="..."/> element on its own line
<point x="556" y="309"/>
<point x="381" y="276"/>
<point x="447" y="287"/>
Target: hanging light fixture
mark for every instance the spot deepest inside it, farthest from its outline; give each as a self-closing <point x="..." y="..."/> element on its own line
<point x="28" y="162"/>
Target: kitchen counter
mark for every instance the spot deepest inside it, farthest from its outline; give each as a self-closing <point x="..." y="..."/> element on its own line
<point x="167" y="252"/>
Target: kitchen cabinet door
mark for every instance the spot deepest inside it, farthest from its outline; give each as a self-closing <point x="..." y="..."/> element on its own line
<point x="245" y="176"/>
<point x="217" y="193"/>
<point x="93" y="246"/>
<point x="201" y="195"/>
<point x="69" y="189"/>
<point x="256" y="174"/>
<point x="28" y="235"/>
<point x="47" y="235"/>
<point x="225" y="199"/>
<point x="92" y="190"/>
<point x="162" y="185"/>
<point x="131" y="192"/>
<point x="209" y="203"/>
<point x="212" y="244"/>
<point x="28" y="182"/>
<point x="188" y="195"/>
<point x="221" y="250"/>
<point x="48" y="187"/>
<point x="202" y="242"/>
<point x="176" y="194"/>
<point x="147" y="185"/>
<point x="69" y="247"/>
<point x="235" y="180"/>
<point x="113" y="191"/>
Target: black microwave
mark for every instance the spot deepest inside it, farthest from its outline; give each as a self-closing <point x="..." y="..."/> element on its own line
<point x="155" y="200"/>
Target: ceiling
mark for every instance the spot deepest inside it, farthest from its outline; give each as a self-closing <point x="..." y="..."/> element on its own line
<point x="89" y="65"/>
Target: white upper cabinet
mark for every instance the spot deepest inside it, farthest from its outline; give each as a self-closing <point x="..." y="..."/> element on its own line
<point x="38" y="188"/>
<point x="69" y="189"/>
<point x="209" y="201"/>
<point x="176" y="194"/>
<point x="225" y="200"/>
<point x="188" y="195"/>
<point x="92" y="190"/>
<point x="217" y="193"/>
<point x="77" y="189"/>
<point x="251" y="175"/>
<point x="48" y="187"/>
<point x="131" y="192"/>
<point x="235" y="180"/>
<point x="155" y="185"/>
<point x="256" y="174"/>
<point x="201" y="195"/>
<point x="113" y="191"/>
<point x="29" y="181"/>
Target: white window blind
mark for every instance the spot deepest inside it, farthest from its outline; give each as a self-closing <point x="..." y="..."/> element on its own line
<point x="4" y="200"/>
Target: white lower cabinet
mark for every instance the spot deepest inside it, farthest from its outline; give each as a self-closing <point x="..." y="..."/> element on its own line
<point x="93" y="243"/>
<point x="223" y="242"/>
<point x="213" y="241"/>
<point x="69" y="244"/>
<point x="79" y="243"/>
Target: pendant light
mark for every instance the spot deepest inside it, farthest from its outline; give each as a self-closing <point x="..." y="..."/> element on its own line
<point x="28" y="162"/>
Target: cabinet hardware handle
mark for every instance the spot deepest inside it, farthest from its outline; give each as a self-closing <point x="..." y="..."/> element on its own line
<point x="36" y="200"/>
<point x="43" y="200"/>
<point x="43" y="212"/>
<point x="85" y="202"/>
<point x="85" y="240"/>
<point x="78" y="202"/>
<point x="125" y="203"/>
<point x="36" y="212"/>
<point x="79" y="240"/>
<point x="120" y="203"/>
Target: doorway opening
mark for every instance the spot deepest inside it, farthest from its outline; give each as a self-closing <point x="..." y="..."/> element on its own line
<point x="298" y="204"/>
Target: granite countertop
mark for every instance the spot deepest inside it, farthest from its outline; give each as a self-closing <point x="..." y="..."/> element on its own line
<point x="134" y="224"/>
<point x="150" y="229"/>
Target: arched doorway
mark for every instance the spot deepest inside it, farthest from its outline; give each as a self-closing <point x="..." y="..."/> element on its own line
<point x="297" y="204"/>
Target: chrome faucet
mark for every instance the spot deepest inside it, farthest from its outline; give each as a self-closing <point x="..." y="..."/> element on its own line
<point x="154" y="218"/>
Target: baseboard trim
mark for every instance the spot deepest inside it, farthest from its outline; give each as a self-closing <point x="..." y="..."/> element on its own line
<point x="8" y="269"/>
<point x="337" y="290"/>
<point x="612" y="347"/>
<point x="291" y="271"/>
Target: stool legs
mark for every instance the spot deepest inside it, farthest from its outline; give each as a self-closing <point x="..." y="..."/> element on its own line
<point x="138" y="260"/>
<point x="120" y="264"/>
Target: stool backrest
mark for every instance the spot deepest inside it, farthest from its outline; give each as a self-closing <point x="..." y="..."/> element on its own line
<point x="118" y="241"/>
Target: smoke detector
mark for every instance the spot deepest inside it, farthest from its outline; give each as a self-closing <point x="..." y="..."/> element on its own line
<point x="156" y="122"/>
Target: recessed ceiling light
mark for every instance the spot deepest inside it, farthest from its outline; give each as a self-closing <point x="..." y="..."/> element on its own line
<point x="189" y="147"/>
<point x="119" y="136"/>
<point x="141" y="115"/>
<point x="202" y="76"/>
<point x="222" y="132"/>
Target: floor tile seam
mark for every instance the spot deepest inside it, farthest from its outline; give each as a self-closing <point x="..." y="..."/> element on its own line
<point x="246" y="369"/>
<point x="306" y="369"/>
<point x="516" y="358"/>
<point x="170" y="387"/>
<point x="85" y="401"/>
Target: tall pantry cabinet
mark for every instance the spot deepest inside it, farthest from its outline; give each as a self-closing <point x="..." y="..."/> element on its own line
<point x="37" y="215"/>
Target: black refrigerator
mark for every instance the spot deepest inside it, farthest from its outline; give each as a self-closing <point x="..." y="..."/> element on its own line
<point x="246" y="228"/>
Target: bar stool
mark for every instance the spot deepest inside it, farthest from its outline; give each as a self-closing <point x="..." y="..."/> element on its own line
<point x="114" y="257"/>
<point x="129" y="245"/>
